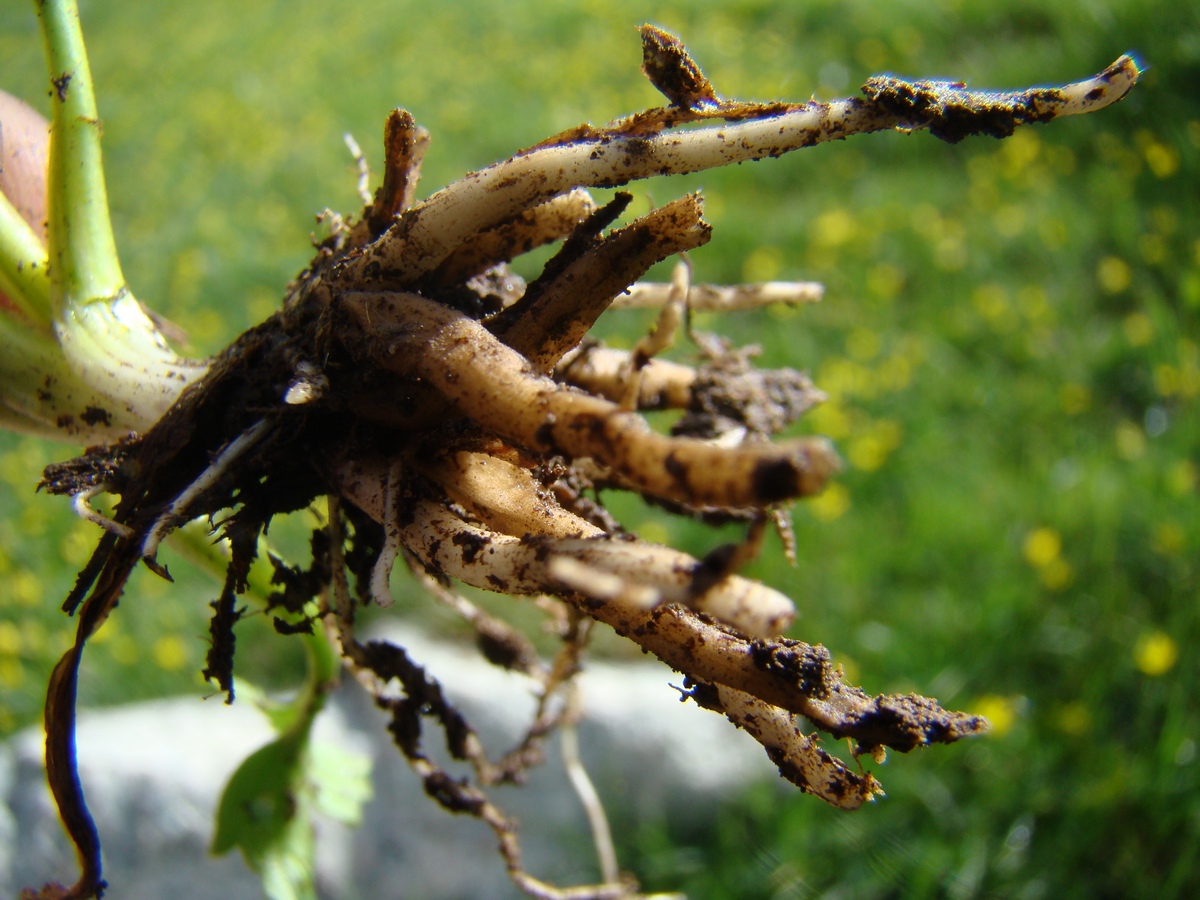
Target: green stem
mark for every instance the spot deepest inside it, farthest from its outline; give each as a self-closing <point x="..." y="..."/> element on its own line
<point x="113" y="371"/>
<point x="82" y="251"/>
<point x="23" y="269"/>
<point x="38" y="393"/>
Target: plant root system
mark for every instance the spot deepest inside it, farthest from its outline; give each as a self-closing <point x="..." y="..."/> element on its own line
<point x="462" y="422"/>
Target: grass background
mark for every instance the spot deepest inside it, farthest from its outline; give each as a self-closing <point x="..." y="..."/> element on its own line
<point x="1009" y="341"/>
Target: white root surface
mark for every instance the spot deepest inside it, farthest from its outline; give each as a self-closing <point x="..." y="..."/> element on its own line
<point x="600" y="370"/>
<point x="521" y="540"/>
<point x="723" y="297"/>
<point x="660" y="338"/>
<point x="177" y="511"/>
<point x="491" y="383"/>
<point x="553" y="220"/>
<point x="489" y="197"/>
<point x="650" y="574"/>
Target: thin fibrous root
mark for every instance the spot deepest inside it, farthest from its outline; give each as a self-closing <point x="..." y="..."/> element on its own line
<point x="722" y="297"/>
<point x="661" y="337"/>
<point x="79" y="503"/>
<point x="376" y="665"/>
<point x="381" y="572"/>
<point x="501" y="643"/>
<point x="360" y="163"/>
<point x="585" y="790"/>
<point x="177" y="513"/>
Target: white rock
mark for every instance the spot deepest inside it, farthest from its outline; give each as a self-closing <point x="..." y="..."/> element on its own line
<point x="153" y="772"/>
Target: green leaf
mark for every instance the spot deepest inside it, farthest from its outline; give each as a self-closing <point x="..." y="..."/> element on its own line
<point x="340" y="781"/>
<point x="266" y="809"/>
<point x="288" y="870"/>
<point x="261" y="800"/>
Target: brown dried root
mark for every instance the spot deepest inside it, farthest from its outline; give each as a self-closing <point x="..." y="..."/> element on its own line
<point x="454" y="419"/>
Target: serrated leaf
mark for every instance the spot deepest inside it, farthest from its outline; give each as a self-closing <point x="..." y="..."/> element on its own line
<point x="340" y="781"/>
<point x="284" y="715"/>
<point x="288" y="868"/>
<point x="261" y="800"/>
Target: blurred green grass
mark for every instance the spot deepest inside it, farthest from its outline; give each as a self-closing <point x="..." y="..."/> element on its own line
<point x="1009" y="340"/>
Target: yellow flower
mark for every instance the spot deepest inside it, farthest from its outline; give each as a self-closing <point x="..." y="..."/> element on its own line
<point x="1139" y="330"/>
<point x="834" y="228"/>
<point x="1000" y="711"/>
<point x="867" y="453"/>
<point x="1130" y="440"/>
<point x="1166" y="379"/>
<point x="1057" y="575"/>
<point x="10" y="639"/>
<point x="170" y="652"/>
<point x="1113" y="274"/>
<point x="1162" y="159"/>
<point x="1042" y="547"/>
<point x="862" y="344"/>
<point x="831" y="420"/>
<point x="1155" y="653"/>
<point x="1182" y="478"/>
<point x="763" y="264"/>
<point x="26" y="588"/>
<point x="830" y="504"/>
<point x="11" y="673"/>
<point x="1043" y="551"/>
